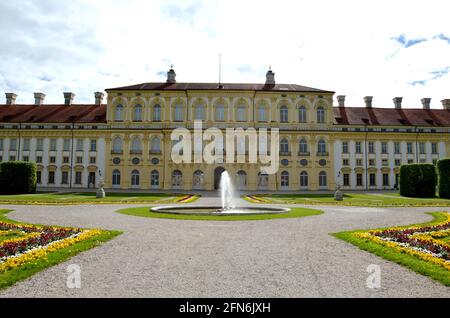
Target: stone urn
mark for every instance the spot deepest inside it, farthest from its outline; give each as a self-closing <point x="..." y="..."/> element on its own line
<point x="338" y="195"/>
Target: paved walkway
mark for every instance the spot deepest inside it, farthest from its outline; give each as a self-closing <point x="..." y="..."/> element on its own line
<point x="179" y="258"/>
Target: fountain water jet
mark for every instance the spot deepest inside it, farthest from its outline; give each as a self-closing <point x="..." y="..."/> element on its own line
<point x="226" y="192"/>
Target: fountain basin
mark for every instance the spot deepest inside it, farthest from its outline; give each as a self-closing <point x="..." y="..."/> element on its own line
<point x="217" y="211"/>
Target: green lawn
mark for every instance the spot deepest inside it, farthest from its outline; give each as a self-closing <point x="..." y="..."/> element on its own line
<point x="12" y="276"/>
<point x="414" y="263"/>
<point x="62" y="198"/>
<point x="293" y="213"/>
<point x="351" y="199"/>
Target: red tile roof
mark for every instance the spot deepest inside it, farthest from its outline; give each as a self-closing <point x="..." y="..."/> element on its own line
<point x="224" y="86"/>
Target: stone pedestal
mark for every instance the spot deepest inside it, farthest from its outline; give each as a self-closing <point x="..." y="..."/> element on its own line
<point x="100" y="193"/>
<point x="338" y="195"/>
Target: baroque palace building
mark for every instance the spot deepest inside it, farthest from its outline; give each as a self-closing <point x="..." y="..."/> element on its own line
<point x="127" y="141"/>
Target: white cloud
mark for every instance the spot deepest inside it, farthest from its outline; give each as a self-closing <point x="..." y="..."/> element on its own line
<point x="346" y="46"/>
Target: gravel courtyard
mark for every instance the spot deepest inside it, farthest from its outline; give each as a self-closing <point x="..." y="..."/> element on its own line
<point x="270" y="258"/>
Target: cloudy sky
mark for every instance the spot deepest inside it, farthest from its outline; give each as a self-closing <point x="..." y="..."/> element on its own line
<point x="356" y="48"/>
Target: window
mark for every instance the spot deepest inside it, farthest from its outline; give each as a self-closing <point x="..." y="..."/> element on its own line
<point x="384" y="162"/>
<point x="136" y="147"/>
<point x="38" y="177"/>
<point x="422" y="148"/>
<point x="303" y="146"/>
<point x="345" y="147"/>
<point x="157" y="113"/>
<point x="398" y="162"/>
<point x="13" y="144"/>
<point x="51" y="177"/>
<point x="38" y="159"/>
<point x="371" y="162"/>
<point x="93" y="147"/>
<point x="155" y="146"/>
<point x="178" y="116"/>
<point x="346" y="179"/>
<point x="359" y="162"/>
<point x="52" y="159"/>
<point x="40" y="144"/>
<point x="371" y="147"/>
<point x="385" y="179"/>
<point x="199" y="112"/>
<point x="135" y="178"/>
<point x="177" y="179"/>
<point x="79" y="160"/>
<point x="321" y="147"/>
<point x="320" y="114"/>
<point x="358" y="147"/>
<point x="52" y="144"/>
<point x="26" y="158"/>
<point x="409" y="148"/>
<point x="359" y="179"/>
<point x="423" y="160"/>
<point x="345" y="162"/>
<point x="263" y="180"/>
<point x="372" y="179"/>
<point x="118" y="114"/>
<point x="65" y="159"/>
<point x="78" y="177"/>
<point x="26" y="144"/>
<point x="322" y="179"/>
<point x="434" y="148"/>
<point x="79" y="145"/>
<point x="117" y="145"/>
<point x="262" y="114"/>
<point x="154" y="181"/>
<point x="284" y="146"/>
<point x="1" y="144"/>
<point x="384" y="147"/>
<point x="65" y="177"/>
<point x="304" y="179"/>
<point x="397" y="147"/>
<point x="240" y="114"/>
<point x="285" y="179"/>
<point x="284" y="114"/>
<point x="66" y="145"/>
<point x="12" y="158"/>
<point x="116" y="178"/>
<point x="92" y="160"/>
<point x="137" y="113"/>
<point x="302" y="114"/>
<point x="410" y="161"/>
<point x="220" y="113"/>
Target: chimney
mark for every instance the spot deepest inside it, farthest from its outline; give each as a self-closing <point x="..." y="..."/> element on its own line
<point x="341" y="100"/>
<point x="368" y="101"/>
<point x="446" y="103"/>
<point x="426" y="102"/>
<point x="398" y="102"/>
<point x="68" y="98"/>
<point x="270" y="77"/>
<point x="10" y="98"/>
<point x="171" y="76"/>
<point x="98" y="98"/>
<point x="39" y="98"/>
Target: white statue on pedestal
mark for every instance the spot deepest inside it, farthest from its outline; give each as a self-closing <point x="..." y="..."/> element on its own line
<point x="100" y="192"/>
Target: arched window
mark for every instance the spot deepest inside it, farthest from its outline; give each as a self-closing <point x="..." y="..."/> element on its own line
<point x="284" y="146"/>
<point x="154" y="179"/>
<point x="116" y="178"/>
<point x="220" y="113"/>
<point x="241" y="179"/>
<point x="137" y="113"/>
<point x="135" y="179"/>
<point x="197" y="181"/>
<point x="304" y="179"/>
<point x="322" y="179"/>
<point x="320" y="114"/>
<point x="321" y="147"/>
<point x="177" y="179"/>
<point x="118" y="114"/>
<point x="199" y="112"/>
<point x="155" y="146"/>
<point x="303" y="146"/>
<point x="240" y="114"/>
<point x="117" y="145"/>
<point x="136" y="147"/>
<point x="285" y="179"/>
<point x="178" y="113"/>
<point x="302" y="114"/>
<point x="284" y="115"/>
<point x="262" y="116"/>
<point x="157" y="113"/>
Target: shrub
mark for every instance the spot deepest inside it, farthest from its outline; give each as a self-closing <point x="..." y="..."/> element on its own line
<point x="443" y="176"/>
<point x="418" y="180"/>
<point x="17" y="177"/>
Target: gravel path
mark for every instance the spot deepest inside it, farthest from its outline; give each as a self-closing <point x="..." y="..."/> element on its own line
<point x="179" y="258"/>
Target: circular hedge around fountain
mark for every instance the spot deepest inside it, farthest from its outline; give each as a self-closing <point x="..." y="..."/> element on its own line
<point x="292" y="213"/>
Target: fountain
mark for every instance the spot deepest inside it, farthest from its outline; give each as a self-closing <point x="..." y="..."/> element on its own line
<point x="228" y="207"/>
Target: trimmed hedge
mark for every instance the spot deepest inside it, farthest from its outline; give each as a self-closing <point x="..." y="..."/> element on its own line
<point x="443" y="176"/>
<point x="418" y="180"/>
<point x="17" y="177"/>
